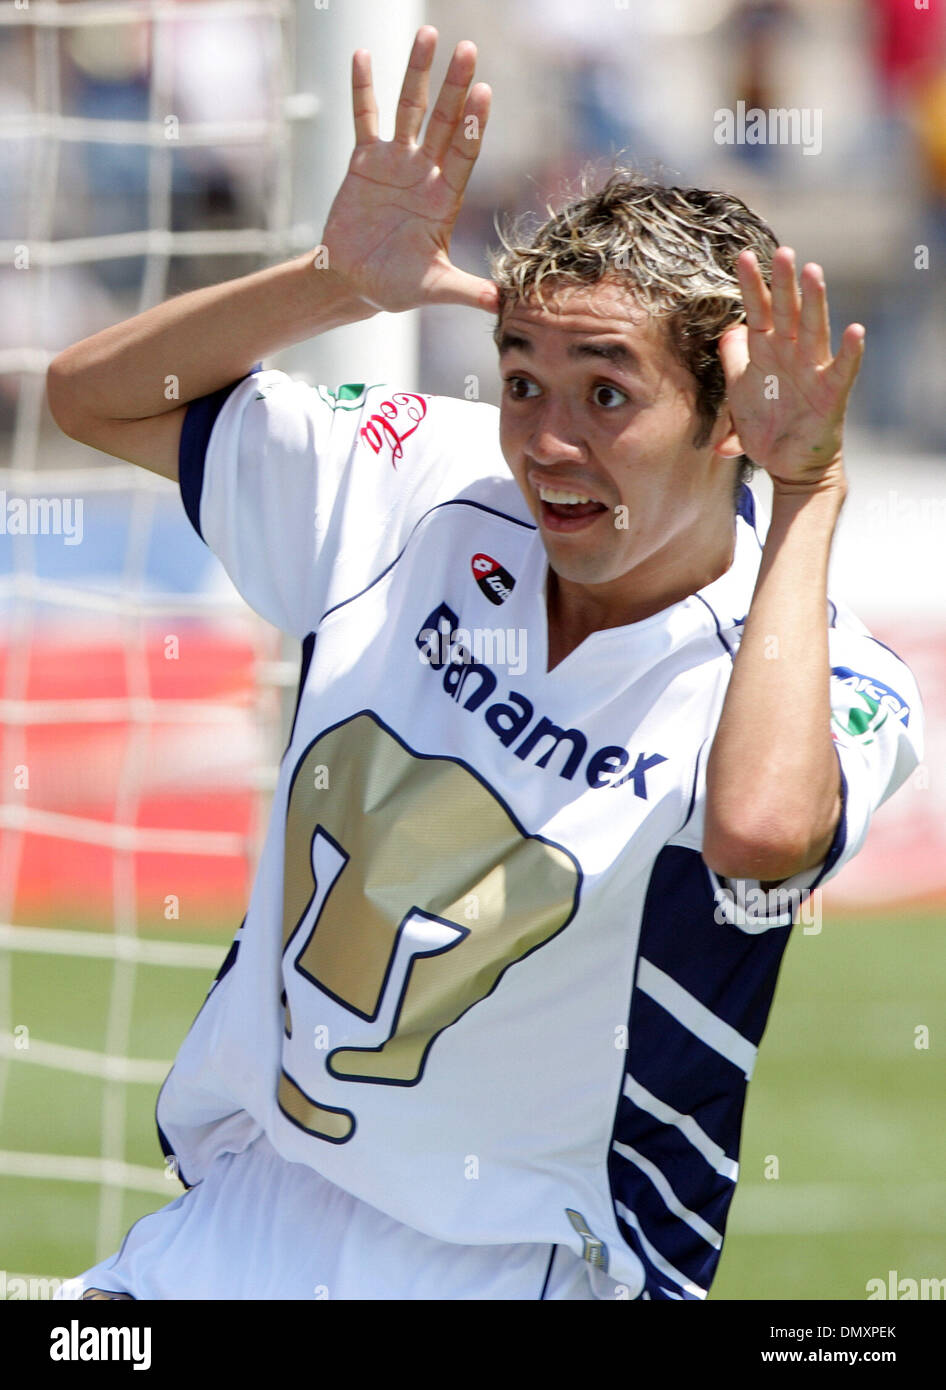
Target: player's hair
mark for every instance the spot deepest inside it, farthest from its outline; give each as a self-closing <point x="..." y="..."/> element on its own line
<point x="674" y="248"/>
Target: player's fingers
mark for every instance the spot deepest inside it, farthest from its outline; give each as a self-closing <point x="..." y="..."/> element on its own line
<point x="412" y="103"/>
<point x="755" y="293"/>
<point x="459" y="287"/>
<point x="814" y="327"/>
<point x="734" y="352"/>
<point x="846" y="365"/>
<point x="467" y="139"/>
<point x="449" y="106"/>
<point x="786" y="302"/>
<point x="364" y="106"/>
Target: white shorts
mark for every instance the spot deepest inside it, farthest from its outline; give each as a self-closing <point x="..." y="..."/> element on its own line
<point x="259" y="1227"/>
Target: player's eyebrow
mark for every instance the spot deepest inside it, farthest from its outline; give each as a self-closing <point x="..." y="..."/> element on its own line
<point x="510" y="342"/>
<point x="619" y="354"/>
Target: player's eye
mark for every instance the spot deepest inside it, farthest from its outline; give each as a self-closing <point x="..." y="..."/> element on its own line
<point x="609" y="396"/>
<point x="520" y="388"/>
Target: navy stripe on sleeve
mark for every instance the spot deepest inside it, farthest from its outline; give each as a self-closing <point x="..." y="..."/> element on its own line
<point x="840" y="835"/>
<point x="195" y="436"/>
<point x="746" y="505"/>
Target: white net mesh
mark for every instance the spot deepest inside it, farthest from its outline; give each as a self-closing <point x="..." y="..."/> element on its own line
<point x="148" y="148"/>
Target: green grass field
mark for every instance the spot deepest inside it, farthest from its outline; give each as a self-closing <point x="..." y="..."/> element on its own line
<point x="844" y="1107"/>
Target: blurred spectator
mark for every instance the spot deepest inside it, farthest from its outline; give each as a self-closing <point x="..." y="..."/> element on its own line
<point x="106" y="75"/>
<point x="573" y="82"/>
<point x="757" y="29"/>
<point x="910" y="62"/>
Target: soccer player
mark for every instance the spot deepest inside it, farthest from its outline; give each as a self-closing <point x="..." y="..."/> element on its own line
<point x="572" y="742"/>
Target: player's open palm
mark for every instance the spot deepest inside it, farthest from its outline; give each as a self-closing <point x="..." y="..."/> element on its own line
<point x="388" y="231"/>
<point x="787" y="394"/>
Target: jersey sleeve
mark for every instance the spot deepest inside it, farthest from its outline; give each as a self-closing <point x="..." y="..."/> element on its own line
<point x="306" y="495"/>
<point x="878" y="737"/>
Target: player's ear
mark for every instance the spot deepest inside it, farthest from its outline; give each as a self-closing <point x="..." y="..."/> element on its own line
<point x="724" y="439"/>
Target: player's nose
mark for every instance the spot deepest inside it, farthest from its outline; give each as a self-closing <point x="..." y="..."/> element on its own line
<point x="555" y="437"/>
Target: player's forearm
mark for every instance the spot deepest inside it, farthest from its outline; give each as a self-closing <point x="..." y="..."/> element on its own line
<point x="773" y="787"/>
<point x="203" y="340"/>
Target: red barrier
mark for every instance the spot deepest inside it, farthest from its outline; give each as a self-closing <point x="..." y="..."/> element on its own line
<point x="179" y="774"/>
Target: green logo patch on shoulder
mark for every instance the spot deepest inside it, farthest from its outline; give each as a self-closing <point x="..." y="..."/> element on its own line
<point x="346" y="397"/>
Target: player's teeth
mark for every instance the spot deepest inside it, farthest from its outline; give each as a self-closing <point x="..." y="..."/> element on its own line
<point x="561" y="499"/>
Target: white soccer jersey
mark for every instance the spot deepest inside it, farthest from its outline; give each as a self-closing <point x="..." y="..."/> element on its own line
<point x="485" y="982"/>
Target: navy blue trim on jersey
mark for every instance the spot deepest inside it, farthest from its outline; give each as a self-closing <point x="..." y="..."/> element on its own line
<point x="832" y="622"/>
<point x="229" y="960"/>
<point x="196" y="430"/>
<point x="166" y="1146"/>
<point x="452" y="502"/>
<point x="728" y="970"/>
<point x="692" y="1256"/>
<point x="110" y="1264"/>
<point x="746" y="505"/>
<point x="226" y="966"/>
<point x="708" y="1192"/>
<point x="677" y="1181"/>
<point x="840" y="834"/>
<point x="894" y="654"/>
<point x="672" y="1063"/>
<point x="719" y="631"/>
<point x="548" y="1273"/>
<point x="308" y="647"/>
<point x="168" y="1151"/>
<point x="696" y="778"/>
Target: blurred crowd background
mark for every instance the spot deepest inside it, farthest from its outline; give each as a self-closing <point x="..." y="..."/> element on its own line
<point x="573" y="82"/>
<point x="576" y="83"/>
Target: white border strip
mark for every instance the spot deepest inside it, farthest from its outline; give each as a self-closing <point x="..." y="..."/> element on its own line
<point x="123" y="837"/>
<point x="106" y="946"/>
<point x="69" y="1168"/>
<point x="85" y="1062"/>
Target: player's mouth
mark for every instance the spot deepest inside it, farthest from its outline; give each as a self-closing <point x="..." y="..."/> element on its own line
<point x="568" y="511"/>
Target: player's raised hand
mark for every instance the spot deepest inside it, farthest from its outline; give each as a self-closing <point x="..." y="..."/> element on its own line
<point x="787" y="393"/>
<point x="388" y="231"/>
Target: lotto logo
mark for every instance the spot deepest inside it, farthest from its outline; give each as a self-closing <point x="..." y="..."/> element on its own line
<point x="495" y="582"/>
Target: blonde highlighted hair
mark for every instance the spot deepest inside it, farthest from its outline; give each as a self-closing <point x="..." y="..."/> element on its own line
<point x="674" y="249"/>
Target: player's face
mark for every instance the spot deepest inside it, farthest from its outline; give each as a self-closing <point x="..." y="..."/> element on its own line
<point x="596" y="406"/>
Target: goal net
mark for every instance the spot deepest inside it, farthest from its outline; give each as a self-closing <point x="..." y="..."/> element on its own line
<point x="150" y="148"/>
